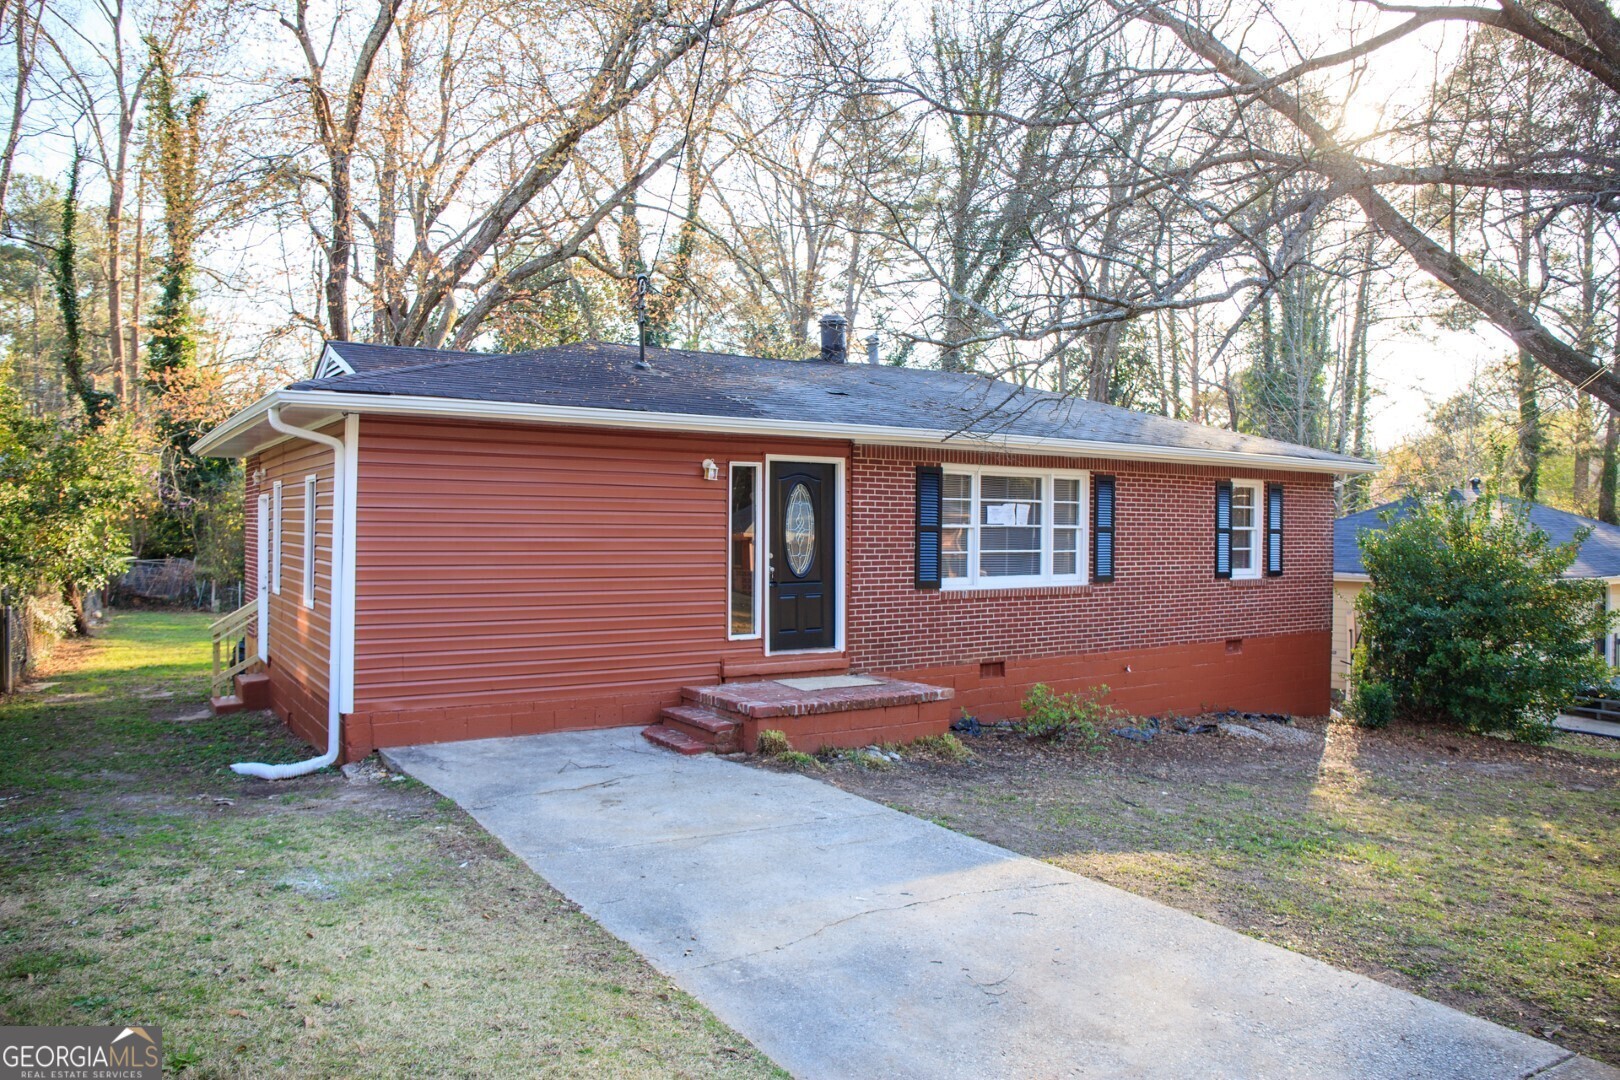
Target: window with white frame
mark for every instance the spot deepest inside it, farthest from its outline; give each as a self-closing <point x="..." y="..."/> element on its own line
<point x="275" y="539"/>
<point x="1245" y="529"/>
<point x="310" y="503"/>
<point x="742" y="552"/>
<point x="1002" y="527"/>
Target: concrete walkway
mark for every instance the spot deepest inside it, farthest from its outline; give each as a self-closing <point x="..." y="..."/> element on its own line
<point x="1586" y="726"/>
<point x="845" y="939"/>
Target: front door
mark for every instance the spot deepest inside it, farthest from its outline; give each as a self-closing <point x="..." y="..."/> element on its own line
<point x="803" y="609"/>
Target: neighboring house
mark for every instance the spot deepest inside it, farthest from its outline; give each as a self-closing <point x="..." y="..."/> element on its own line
<point x="1599" y="558"/>
<point x="571" y="538"/>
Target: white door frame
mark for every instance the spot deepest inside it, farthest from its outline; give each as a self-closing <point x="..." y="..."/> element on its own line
<point x="840" y="556"/>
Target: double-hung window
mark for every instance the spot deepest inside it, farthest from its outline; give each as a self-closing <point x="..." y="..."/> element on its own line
<point x="1012" y="527"/>
<point x="275" y="539"/>
<point x="742" y="552"/>
<point x="311" y="505"/>
<point x="1245" y="529"/>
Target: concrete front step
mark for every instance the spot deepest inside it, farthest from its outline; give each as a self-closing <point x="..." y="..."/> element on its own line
<point x="767" y="698"/>
<point x="671" y="739"/>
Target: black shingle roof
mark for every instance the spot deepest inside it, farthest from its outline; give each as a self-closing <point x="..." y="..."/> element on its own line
<point x="603" y="376"/>
<point x="1599" y="555"/>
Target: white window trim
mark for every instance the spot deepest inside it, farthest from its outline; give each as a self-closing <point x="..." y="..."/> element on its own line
<point x="759" y="560"/>
<point x="275" y="539"/>
<point x="1256" y="531"/>
<point x="1082" y="559"/>
<point x="262" y="574"/>
<point x="312" y="489"/>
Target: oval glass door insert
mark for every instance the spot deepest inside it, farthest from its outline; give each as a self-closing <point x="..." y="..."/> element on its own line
<point x="799" y="529"/>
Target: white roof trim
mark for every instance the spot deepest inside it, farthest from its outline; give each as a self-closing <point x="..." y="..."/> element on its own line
<point x="328" y="401"/>
<point x="331" y="365"/>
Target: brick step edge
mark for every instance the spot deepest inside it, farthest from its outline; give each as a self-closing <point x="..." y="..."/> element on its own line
<point x="671" y="739"/>
<point x="227" y="703"/>
<point x="699" y="718"/>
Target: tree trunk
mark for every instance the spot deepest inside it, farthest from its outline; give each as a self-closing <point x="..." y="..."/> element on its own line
<point x="132" y="360"/>
<point x="1607" y="511"/>
<point x="1584" y="447"/>
<point x="74" y="598"/>
<point x="27" y="31"/>
<point x="1524" y="385"/>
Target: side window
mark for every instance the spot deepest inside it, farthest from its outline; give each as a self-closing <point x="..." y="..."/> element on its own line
<point x="1245" y="529"/>
<point x="310" y="508"/>
<point x="742" y="552"/>
<point x="275" y="539"/>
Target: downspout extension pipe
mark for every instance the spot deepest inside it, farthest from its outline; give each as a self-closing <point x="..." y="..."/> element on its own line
<point x="334" y="715"/>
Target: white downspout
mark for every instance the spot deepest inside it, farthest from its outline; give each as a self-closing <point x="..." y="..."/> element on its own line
<point x="335" y="629"/>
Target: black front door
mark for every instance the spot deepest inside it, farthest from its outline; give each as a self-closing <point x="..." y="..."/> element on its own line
<point x="803" y="608"/>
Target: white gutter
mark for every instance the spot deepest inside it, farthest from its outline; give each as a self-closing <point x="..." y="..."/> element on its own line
<point x="464" y="409"/>
<point x="336" y="632"/>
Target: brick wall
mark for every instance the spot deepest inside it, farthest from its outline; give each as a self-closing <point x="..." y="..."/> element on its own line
<point x="1165" y="634"/>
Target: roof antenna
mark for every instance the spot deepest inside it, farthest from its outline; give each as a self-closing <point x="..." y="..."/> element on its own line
<point x="642" y="286"/>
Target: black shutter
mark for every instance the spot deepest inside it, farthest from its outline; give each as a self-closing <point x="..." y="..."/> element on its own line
<point x="1223" y="529"/>
<point x="930" y="489"/>
<point x="1102" y="528"/>
<point x="1274" y="530"/>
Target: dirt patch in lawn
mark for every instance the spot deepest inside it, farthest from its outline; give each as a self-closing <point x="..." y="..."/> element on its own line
<point x="318" y="926"/>
<point x="1470" y="870"/>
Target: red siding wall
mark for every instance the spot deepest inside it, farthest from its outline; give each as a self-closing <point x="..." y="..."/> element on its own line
<point x="299" y="663"/>
<point x="516" y="579"/>
<point x="1165" y="634"/>
<point x="524" y="579"/>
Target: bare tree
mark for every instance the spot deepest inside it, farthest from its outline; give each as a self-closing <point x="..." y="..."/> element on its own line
<point x="19" y="19"/>
<point x="1584" y="34"/>
<point x="473" y="195"/>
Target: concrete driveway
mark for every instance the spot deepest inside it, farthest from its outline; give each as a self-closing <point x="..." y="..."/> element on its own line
<point x="846" y="939"/>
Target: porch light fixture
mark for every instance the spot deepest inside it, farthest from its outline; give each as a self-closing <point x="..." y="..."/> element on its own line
<point x="711" y="471"/>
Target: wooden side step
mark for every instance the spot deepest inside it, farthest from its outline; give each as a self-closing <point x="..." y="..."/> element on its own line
<point x="670" y="739"/>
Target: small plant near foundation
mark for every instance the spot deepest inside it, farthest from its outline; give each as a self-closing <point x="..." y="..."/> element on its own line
<point x="798" y="760"/>
<point x="1053" y="717"/>
<point x="944" y="745"/>
<point x="869" y="759"/>
<point x="773" y="743"/>
<point x="1373" y="704"/>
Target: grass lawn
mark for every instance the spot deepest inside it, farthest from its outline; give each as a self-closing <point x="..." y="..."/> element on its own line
<point x="1472" y="871"/>
<point x="309" y="927"/>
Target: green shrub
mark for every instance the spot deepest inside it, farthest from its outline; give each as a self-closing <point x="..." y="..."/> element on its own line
<point x="1053" y="717"/>
<point x="773" y="742"/>
<point x="1467" y="618"/>
<point x="944" y="745"/>
<point x="1373" y="705"/>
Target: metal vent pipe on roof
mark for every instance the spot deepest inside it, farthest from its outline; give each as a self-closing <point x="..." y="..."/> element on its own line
<point x="833" y="350"/>
<point x="872" y="343"/>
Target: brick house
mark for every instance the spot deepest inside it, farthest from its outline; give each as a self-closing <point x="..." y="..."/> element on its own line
<point x="454" y="545"/>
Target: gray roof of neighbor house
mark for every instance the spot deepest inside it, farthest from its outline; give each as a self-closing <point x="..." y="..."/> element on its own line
<point x="1599" y="555"/>
<point x="851" y="400"/>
